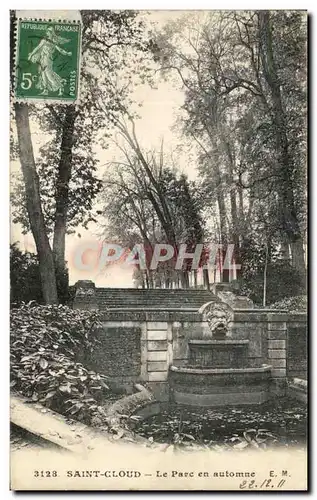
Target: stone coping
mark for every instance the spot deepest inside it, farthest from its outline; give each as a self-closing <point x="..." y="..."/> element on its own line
<point x="299" y="382"/>
<point x="301" y="314"/>
<point x="260" y="310"/>
<point x="151" y="309"/>
<point x="218" y="342"/>
<point x="290" y="314"/>
<point x="298" y="388"/>
<point x="217" y="371"/>
<point x="148" y="290"/>
<point x="71" y="435"/>
<point x="147" y="315"/>
<point x="128" y="405"/>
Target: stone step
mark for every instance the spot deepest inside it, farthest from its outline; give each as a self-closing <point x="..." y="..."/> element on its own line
<point x="105" y="308"/>
<point x="154" y="299"/>
<point x="153" y="294"/>
<point x="154" y="291"/>
<point x="120" y="298"/>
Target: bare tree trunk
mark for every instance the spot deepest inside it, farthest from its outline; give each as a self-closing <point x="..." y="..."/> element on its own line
<point x="142" y="280"/>
<point x="233" y="204"/>
<point x="183" y="279"/>
<point x="223" y="226"/>
<point x="265" y="274"/>
<point x="225" y="272"/>
<point x="195" y="278"/>
<point x="62" y="195"/>
<point x="33" y="205"/>
<point x="150" y="279"/>
<point x="206" y="279"/>
<point x="285" y="250"/>
<point x="241" y="203"/>
<point x="289" y="216"/>
<point x="147" y="279"/>
<point x="298" y="256"/>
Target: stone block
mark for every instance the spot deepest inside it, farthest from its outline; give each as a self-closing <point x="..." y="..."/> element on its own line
<point x="277" y="344"/>
<point x="277" y="326"/>
<point x="210" y="400"/>
<point x="297" y="318"/>
<point x="277" y="317"/>
<point x="247" y="331"/>
<point x="240" y="331"/>
<point x="192" y="331"/>
<point x="182" y="316"/>
<point x="277" y="334"/>
<point x="157" y="335"/>
<point x="277" y="353"/>
<point x="278" y="363"/>
<point x="255" y="344"/>
<point x="121" y="324"/>
<point x="251" y="316"/>
<point x="157" y="325"/>
<point x="152" y="316"/>
<point x="157" y="376"/>
<point x="170" y="332"/>
<point x="278" y="372"/>
<point x="157" y="366"/>
<point x="170" y="353"/>
<point x="143" y="332"/>
<point x="137" y="316"/>
<point x="157" y="356"/>
<point x="157" y="345"/>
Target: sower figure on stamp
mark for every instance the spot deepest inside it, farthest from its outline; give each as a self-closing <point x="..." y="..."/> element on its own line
<point x="49" y="80"/>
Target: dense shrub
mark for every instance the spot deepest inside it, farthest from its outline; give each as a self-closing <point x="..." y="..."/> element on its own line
<point x="50" y="348"/>
<point x="292" y="304"/>
<point x="25" y="280"/>
<point x="283" y="281"/>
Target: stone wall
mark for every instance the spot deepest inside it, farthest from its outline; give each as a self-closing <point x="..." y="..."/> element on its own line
<point x="119" y="352"/>
<point x="296" y="345"/>
<point x="141" y="345"/>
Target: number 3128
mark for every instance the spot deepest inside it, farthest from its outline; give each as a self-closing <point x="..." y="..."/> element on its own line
<point x="45" y="473"/>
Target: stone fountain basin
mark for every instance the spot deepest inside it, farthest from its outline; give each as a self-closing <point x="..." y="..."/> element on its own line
<point x="220" y="353"/>
<point x="205" y="371"/>
<point x="207" y="343"/>
<point x="211" y="387"/>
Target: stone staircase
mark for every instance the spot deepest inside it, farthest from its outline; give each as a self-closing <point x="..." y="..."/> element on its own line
<point x="154" y="299"/>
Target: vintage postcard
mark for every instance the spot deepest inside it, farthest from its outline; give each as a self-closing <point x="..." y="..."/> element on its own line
<point x="158" y="257"/>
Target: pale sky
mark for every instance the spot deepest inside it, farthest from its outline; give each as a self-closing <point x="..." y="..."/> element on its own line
<point x="158" y="115"/>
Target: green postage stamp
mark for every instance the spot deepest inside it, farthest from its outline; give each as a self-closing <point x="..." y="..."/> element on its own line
<point x="48" y="60"/>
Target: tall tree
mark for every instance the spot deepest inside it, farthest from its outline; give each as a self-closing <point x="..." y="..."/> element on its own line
<point x="33" y="205"/>
<point x="244" y="77"/>
<point x="32" y="188"/>
<point x="67" y="165"/>
<point x="146" y="201"/>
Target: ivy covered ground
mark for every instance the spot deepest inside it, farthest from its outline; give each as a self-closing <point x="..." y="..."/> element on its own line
<point x="280" y="424"/>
